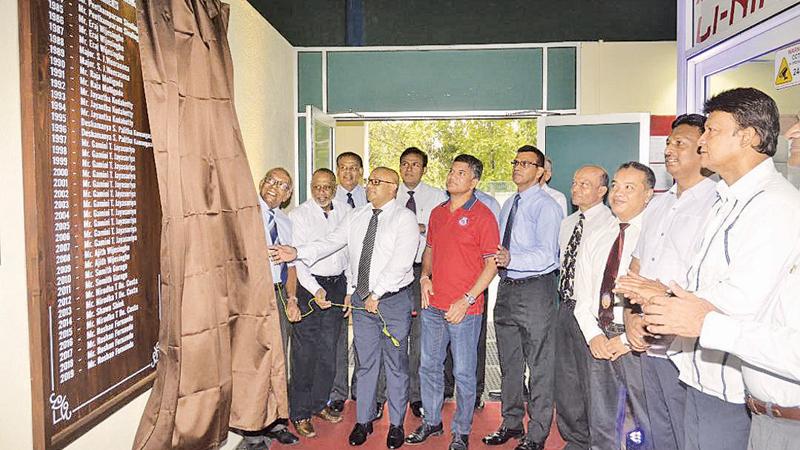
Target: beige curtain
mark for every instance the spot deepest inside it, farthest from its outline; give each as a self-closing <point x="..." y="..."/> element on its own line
<point x="221" y="359"/>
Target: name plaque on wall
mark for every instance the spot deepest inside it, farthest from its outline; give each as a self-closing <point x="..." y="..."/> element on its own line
<point x="93" y="216"/>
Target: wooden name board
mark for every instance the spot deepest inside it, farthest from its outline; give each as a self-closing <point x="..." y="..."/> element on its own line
<point x="93" y="216"/>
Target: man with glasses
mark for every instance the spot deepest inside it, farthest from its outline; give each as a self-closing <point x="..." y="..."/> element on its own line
<point x="457" y="266"/>
<point x="275" y="190"/>
<point x="313" y="358"/>
<point x="420" y="198"/>
<point x="381" y="239"/>
<point x="526" y="307"/>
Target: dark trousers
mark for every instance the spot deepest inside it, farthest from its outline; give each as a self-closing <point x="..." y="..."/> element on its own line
<point x="571" y="388"/>
<point x="281" y="297"/>
<point x="414" y="339"/>
<point x="523" y="318"/>
<point x="666" y="401"/>
<point x="313" y="354"/>
<point x="613" y="386"/>
<point x="480" y="369"/>
<point x="376" y="350"/>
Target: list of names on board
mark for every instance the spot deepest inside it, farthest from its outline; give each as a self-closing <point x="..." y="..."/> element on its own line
<point x="101" y="204"/>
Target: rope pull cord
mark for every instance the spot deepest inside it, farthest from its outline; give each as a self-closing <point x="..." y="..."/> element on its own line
<point x="385" y="330"/>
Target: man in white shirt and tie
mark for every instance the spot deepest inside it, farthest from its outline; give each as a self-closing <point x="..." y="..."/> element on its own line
<point x="559" y="197"/>
<point x="748" y="238"/>
<point x="670" y="229"/>
<point x="350" y="173"/>
<point x="420" y="198"/>
<point x="589" y="189"/>
<point x="615" y="373"/>
<point x="275" y="190"/>
<point x="381" y="239"/>
<point x="313" y="358"/>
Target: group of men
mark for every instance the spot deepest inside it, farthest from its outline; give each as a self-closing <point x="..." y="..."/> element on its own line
<point x="672" y="310"/>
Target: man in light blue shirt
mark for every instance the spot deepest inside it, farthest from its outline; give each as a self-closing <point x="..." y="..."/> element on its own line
<point x="528" y="260"/>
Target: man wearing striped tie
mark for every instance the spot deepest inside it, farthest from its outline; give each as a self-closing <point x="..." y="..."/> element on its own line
<point x="381" y="239"/>
<point x="275" y="190"/>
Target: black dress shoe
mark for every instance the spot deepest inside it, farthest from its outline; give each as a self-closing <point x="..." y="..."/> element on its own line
<point x="416" y="409"/>
<point x="378" y="411"/>
<point x="526" y="444"/>
<point x="395" y="437"/>
<point x="424" y="432"/>
<point x="459" y="442"/>
<point x="502" y="436"/>
<point x="337" y="406"/>
<point x="284" y="436"/>
<point x="359" y="434"/>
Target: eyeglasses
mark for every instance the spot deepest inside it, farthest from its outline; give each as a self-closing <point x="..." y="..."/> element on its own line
<point x="378" y="181"/>
<point x="282" y="185"/>
<point x="525" y="164"/>
<point x="322" y="187"/>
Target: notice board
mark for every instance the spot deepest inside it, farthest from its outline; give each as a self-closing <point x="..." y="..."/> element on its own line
<point x="93" y="216"/>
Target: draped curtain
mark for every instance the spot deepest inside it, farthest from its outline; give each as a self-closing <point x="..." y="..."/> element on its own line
<point x="221" y="361"/>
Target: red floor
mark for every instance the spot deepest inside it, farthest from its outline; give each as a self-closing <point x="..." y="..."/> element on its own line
<point x="334" y="437"/>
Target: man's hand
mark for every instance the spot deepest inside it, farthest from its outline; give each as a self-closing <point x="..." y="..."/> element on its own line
<point x="371" y="304"/>
<point x="292" y="310"/>
<point x="639" y="289"/>
<point x="426" y="289"/>
<point x="682" y="315"/>
<point x="422" y="228"/>
<point x="320" y="298"/>
<point x="503" y="257"/>
<point x="598" y="347"/>
<point x="457" y="311"/>
<point x="635" y="331"/>
<point x="347" y="309"/>
<point x="281" y="253"/>
<point x="616" y="347"/>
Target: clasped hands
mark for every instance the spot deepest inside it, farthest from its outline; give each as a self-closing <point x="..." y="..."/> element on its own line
<point x="667" y="310"/>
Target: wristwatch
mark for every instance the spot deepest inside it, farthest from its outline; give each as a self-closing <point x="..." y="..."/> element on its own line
<point x="470" y="298"/>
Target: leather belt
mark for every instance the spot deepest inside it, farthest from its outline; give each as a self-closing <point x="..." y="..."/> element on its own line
<point x="328" y="279"/>
<point x="518" y="281"/>
<point x="389" y="294"/>
<point x="613" y="329"/>
<point x="758" y="407"/>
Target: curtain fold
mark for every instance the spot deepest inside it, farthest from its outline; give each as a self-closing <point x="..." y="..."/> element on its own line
<point x="221" y="361"/>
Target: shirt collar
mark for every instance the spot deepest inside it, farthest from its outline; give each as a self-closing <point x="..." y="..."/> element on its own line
<point x="531" y="191"/>
<point x="705" y="185"/>
<point x="636" y="221"/>
<point x="595" y="210"/>
<point x="264" y="206"/>
<point x="750" y="183"/>
<point x="391" y="204"/>
<point x="419" y="188"/>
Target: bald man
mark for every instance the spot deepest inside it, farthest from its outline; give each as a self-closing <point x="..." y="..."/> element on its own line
<point x="381" y="239"/>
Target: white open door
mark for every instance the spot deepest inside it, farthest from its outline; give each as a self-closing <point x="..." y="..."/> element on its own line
<point x="320" y="139"/>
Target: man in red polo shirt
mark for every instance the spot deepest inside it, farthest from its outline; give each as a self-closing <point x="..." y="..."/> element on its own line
<point x="457" y="266"/>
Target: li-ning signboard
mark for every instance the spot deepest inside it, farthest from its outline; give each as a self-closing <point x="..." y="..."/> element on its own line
<point x="716" y="20"/>
<point x="92" y="213"/>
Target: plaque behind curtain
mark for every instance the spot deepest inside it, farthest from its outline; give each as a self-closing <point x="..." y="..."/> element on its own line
<point x="221" y="358"/>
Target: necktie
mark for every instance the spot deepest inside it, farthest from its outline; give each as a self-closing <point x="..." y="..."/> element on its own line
<point x="350" y="200"/>
<point x="362" y="285"/>
<point x="605" y="313"/>
<point x="507" y="232"/>
<point x="411" y="203"/>
<point x="273" y="235"/>
<point x="567" y="283"/>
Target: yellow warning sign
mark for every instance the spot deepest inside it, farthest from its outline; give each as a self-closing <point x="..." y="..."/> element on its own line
<point x="784" y="75"/>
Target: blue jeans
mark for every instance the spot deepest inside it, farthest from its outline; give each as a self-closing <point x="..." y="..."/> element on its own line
<point x="463" y="339"/>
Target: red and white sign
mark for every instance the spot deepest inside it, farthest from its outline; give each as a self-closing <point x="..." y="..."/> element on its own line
<point x="715" y="20"/>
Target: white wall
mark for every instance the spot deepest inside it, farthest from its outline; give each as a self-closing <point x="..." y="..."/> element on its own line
<point x="264" y="74"/>
<point x="264" y="80"/>
<point x="619" y="77"/>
